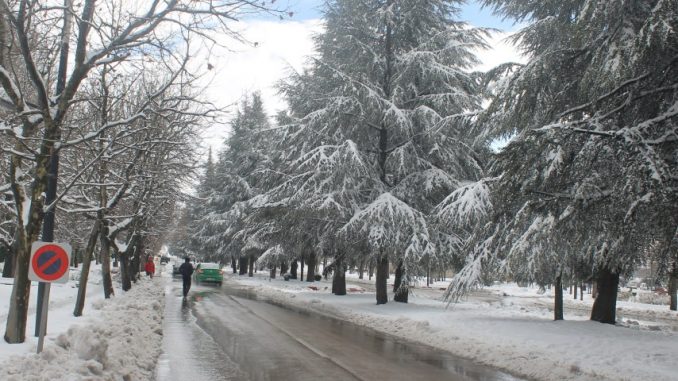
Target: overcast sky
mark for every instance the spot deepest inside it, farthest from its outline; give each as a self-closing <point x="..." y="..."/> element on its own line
<point x="284" y="45"/>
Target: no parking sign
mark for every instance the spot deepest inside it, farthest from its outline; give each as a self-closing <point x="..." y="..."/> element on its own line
<point x="49" y="262"/>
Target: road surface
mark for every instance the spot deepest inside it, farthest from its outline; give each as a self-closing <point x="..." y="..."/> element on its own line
<point x="225" y="333"/>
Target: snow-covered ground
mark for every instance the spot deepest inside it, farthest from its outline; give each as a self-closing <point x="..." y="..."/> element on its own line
<point x="505" y="326"/>
<point x="116" y="339"/>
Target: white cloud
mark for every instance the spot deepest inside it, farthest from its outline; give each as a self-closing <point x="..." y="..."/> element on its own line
<point x="275" y="48"/>
<point x="501" y="50"/>
<point x="280" y="47"/>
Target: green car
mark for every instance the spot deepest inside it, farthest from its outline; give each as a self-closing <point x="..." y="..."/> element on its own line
<point x="208" y="272"/>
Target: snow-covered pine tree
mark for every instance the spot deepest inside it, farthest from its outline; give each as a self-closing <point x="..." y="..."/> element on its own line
<point x="380" y="113"/>
<point x="460" y="215"/>
<point x="594" y="159"/>
<point x="327" y="181"/>
<point x="196" y="207"/>
<point x="243" y="170"/>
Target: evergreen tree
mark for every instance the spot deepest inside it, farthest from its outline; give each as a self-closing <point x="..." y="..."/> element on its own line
<point x="591" y="175"/>
<point x="196" y="208"/>
<point x="241" y="173"/>
<point x="381" y="136"/>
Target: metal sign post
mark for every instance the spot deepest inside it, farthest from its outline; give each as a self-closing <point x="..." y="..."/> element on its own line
<point x="43" y="316"/>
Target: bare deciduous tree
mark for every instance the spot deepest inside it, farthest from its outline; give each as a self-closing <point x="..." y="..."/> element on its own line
<point x="41" y="87"/>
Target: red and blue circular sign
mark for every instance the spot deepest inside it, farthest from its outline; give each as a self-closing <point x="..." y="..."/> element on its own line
<point x="49" y="262"/>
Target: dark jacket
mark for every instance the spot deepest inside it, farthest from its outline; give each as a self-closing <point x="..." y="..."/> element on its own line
<point x="186" y="269"/>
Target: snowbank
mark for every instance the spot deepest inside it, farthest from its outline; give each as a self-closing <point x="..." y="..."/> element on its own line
<point x="507" y="327"/>
<point x="118" y="339"/>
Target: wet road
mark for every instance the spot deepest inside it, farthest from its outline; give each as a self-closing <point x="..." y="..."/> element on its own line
<point x="226" y="334"/>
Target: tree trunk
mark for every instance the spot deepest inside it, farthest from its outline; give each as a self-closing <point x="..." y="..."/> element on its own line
<point x="605" y="306"/>
<point x="250" y="261"/>
<point x="361" y="268"/>
<point x="234" y="265"/>
<point x="339" y="277"/>
<point x="400" y="288"/>
<point x="106" y="262"/>
<point x="310" y="275"/>
<point x="581" y="291"/>
<point x="293" y="269"/>
<point x="84" y="272"/>
<point x="272" y="273"/>
<point x="558" y="298"/>
<point x="135" y="265"/>
<point x="301" y="270"/>
<point x="17" y="317"/>
<point x="8" y="270"/>
<point x="576" y="294"/>
<point x="125" y="271"/>
<point x="74" y="256"/>
<point x="371" y="269"/>
<point x="283" y="268"/>
<point x="325" y="272"/>
<point x="382" y="275"/>
<point x="130" y="262"/>
<point x="673" y="287"/>
<point x="243" y="264"/>
<point x="324" y="267"/>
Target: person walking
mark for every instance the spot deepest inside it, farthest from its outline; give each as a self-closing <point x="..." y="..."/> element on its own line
<point x="186" y="270"/>
<point x="149" y="267"/>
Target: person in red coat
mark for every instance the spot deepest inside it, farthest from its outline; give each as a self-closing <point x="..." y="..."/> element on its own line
<point x="149" y="267"/>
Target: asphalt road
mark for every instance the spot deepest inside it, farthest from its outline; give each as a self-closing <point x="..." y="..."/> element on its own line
<point x="225" y="333"/>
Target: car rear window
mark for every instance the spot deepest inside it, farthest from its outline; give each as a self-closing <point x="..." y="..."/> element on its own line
<point x="209" y="266"/>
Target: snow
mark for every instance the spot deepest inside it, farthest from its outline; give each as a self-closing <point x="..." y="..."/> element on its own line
<point x="466" y="205"/>
<point x="503" y="326"/>
<point x="116" y="339"/>
<point x="386" y="219"/>
<point x="26" y="209"/>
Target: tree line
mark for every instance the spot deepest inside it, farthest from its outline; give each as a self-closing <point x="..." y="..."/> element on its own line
<point x="385" y="157"/>
<point x="102" y="99"/>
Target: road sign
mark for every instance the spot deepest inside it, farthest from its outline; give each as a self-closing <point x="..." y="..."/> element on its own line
<point x="49" y="262"/>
